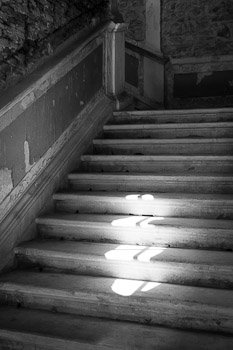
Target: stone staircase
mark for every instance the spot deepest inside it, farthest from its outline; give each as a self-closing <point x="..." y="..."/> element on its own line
<point x="138" y="253"/>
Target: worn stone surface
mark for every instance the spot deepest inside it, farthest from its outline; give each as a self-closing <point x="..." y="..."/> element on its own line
<point x="32" y="29"/>
<point x="197" y="27"/>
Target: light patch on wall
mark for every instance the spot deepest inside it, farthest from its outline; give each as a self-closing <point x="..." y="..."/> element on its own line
<point x="28" y="166"/>
<point x="6" y="183"/>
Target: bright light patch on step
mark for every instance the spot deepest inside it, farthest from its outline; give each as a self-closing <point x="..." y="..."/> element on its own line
<point x="128" y="222"/>
<point x="148" y="254"/>
<point x="134" y="252"/>
<point x="132" y="197"/>
<point x="126" y="287"/>
<point x="133" y="221"/>
<point x="147" y="222"/>
<point x="147" y="197"/>
<point x="124" y="252"/>
<point x="136" y="197"/>
<point x="149" y="286"/>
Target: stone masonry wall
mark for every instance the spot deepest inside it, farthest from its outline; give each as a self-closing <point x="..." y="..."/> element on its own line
<point x="197" y="36"/>
<point x="197" y="27"/>
<point x="134" y="13"/>
<point x="32" y="29"/>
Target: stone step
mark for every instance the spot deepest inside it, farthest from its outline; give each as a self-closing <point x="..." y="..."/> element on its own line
<point x="151" y="182"/>
<point x="169" y="131"/>
<point x="174" y="116"/>
<point x="164" y="146"/>
<point x="155" y="264"/>
<point x="157" y="204"/>
<point x="162" y="304"/>
<point x="141" y="230"/>
<point x="35" y="329"/>
<point x="165" y="164"/>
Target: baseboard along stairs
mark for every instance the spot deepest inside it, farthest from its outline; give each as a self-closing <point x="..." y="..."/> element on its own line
<point x="138" y="252"/>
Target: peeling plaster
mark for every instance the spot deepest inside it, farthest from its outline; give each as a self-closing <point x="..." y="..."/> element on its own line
<point x="6" y="183"/>
<point x="28" y="166"/>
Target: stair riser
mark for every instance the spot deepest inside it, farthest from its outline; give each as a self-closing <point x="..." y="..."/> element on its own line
<point x="174" y="118"/>
<point x="166" y="149"/>
<point x="168" y="134"/>
<point x="183" y="208"/>
<point x="160" y="186"/>
<point x="166" y="313"/>
<point x="166" y="272"/>
<point x="175" y="237"/>
<point x="160" y="167"/>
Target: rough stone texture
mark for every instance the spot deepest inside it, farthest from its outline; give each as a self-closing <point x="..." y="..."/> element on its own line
<point x="32" y="29"/>
<point x="197" y="27"/>
<point x="134" y="13"/>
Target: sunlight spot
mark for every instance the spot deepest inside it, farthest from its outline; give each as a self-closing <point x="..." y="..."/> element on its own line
<point x="132" y="197"/>
<point x="149" y="253"/>
<point x="149" y="286"/>
<point x="147" y="221"/>
<point x="126" y="287"/>
<point x="147" y="197"/>
<point x="124" y="252"/>
<point x="128" y="222"/>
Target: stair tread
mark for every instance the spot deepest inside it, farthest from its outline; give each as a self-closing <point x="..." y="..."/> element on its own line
<point x="120" y="253"/>
<point x="127" y="196"/>
<point x="110" y="127"/>
<point x="133" y="221"/>
<point x="189" y="140"/>
<point x="177" y="111"/>
<point x="82" y="287"/>
<point x="49" y="329"/>
<point x="148" y="176"/>
<point x="165" y="157"/>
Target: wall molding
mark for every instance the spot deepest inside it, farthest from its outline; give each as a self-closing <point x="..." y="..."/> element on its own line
<point x="48" y="174"/>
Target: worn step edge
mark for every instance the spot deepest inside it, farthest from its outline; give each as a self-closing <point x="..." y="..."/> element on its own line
<point x="141" y="230"/>
<point x="178" y="111"/>
<point x="148" y="177"/>
<point x="133" y="158"/>
<point x="153" y="127"/>
<point x="163" y="304"/>
<point x="151" y="182"/>
<point x="155" y="264"/>
<point x="188" y="141"/>
<point x="211" y="206"/>
<point x="62" y="332"/>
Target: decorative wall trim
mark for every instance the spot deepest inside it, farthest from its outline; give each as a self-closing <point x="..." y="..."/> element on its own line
<point x="46" y="177"/>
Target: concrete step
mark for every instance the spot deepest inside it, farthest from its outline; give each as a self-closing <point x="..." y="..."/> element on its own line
<point x="155" y="264"/>
<point x="174" y="116"/>
<point x="165" y="164"/>
<point x="35" y="329"/>
<point x="163" y="304"/>
<point x="156" y="204"/>
<point x="164" y="146"/>
<point x="169" y="131"/>
<point x="140" y="230"/>
<point x="151" y="182"/>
